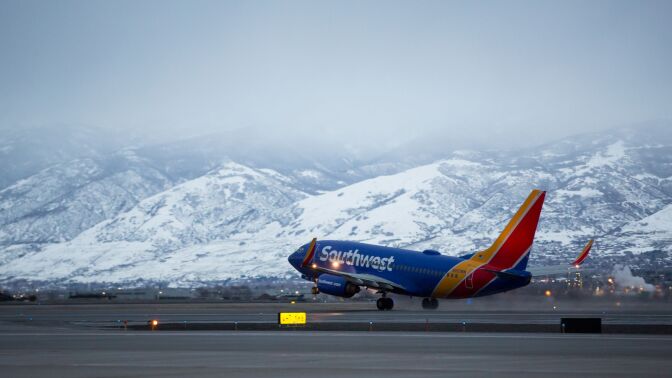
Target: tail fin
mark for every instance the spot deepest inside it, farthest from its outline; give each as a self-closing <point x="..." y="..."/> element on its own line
<point x="583" y="254"/>
<point x="512" y="247"/>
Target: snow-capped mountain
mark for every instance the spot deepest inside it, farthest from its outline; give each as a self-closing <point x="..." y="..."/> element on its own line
<point x="59" y="202"/>
<point x="241" y="220"/>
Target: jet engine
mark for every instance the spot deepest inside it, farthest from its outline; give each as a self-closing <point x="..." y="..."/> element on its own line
<point x="337" y="286"/>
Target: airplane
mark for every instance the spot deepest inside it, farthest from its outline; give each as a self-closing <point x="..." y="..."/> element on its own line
<point x="340" y="268"/>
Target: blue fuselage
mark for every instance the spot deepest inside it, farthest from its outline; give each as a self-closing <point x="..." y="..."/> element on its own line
<point x="410" y="272"/>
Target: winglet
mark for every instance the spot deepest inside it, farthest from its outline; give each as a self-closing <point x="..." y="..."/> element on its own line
<point x="583" y="254"/>
<point x="309" y="253"/>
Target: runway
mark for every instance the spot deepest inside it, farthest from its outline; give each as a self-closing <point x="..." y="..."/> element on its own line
<point x="26" y="352"/>
<point x="86" y="340"/>
<point x="97" y="315"/>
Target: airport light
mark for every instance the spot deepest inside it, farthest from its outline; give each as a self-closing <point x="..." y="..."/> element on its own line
<point x="548" y="293"/>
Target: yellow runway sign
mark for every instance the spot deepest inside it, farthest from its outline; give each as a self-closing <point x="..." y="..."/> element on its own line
<point x="292" y="318"/>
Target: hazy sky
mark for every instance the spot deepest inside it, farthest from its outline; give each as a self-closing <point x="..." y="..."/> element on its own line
<point x="499" y="71"/>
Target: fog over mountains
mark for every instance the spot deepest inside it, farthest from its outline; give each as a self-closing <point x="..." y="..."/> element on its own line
<point x="216" y="208"/>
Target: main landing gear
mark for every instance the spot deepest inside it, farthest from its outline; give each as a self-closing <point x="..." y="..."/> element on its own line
<point x="384" y="303"/>
<point x="430" y="303"/>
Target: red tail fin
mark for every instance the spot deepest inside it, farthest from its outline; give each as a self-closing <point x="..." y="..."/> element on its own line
<point x="583" y="254"/>
<point x="514" y="243"/>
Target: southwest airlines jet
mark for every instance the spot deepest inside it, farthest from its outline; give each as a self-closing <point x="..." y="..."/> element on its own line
<point x="340" y="268"/>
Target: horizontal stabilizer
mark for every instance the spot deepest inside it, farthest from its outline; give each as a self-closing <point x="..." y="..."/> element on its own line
<point x="553" y="270"/>
<point x="510" y="274"/>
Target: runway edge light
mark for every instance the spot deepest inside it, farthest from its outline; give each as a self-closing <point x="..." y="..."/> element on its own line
<point x="291" y="318"/>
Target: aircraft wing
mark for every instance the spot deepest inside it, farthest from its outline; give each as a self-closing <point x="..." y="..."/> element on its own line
<point x="368" y="280"/>
<point x="552" y="270"/>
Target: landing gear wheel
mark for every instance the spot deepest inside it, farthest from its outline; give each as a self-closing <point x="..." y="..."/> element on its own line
<point x="384" y="304"/>
<point x="315" y="290"/>
<point x="430" y="303"/>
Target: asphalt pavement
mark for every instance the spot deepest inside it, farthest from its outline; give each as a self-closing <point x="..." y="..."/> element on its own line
<point x="29" y="351"/>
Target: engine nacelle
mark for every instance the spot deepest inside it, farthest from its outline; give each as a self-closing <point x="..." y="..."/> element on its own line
<point x="335" y="285"/>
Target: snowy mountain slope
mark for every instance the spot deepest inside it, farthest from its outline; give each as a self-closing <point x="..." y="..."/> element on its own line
<point x="396" y="209"/>
<point x="59" y="202"/>
<point x="233" y="199"/>
<point x="653" y="233"/>
<point x="238" y="221"/>
<point x="213" y="208"/>
<point x="596" y="184"/>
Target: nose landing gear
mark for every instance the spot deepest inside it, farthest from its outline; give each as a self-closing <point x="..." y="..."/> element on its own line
<point x="430" y="303"/>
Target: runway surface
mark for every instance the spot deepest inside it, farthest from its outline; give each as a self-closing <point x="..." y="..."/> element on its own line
<point x="96" y="315"/>
<point x="78" y="341"/>
<point x="38" y="351"/>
